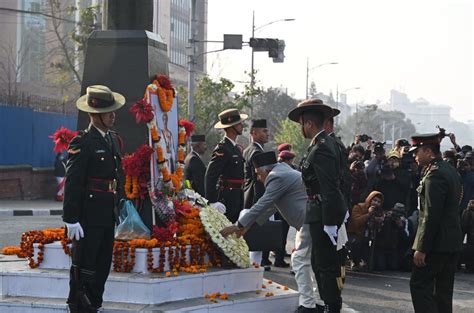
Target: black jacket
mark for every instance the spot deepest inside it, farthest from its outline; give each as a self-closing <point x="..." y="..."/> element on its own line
<point x="253" y="189"/>
<point x="320" y="172"/>
<point x="90" y="157"/>
<point x="194" y="171"/>
<point x="226" y="163"/>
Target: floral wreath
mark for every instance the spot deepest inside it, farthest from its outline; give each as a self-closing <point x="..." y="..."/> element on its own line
<point x="234" y="248"/>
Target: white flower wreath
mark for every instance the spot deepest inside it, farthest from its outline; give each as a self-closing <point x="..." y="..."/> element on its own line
<point x="234" y="248"/>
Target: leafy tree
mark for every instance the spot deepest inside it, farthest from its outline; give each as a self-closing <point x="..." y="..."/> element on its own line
<point x="210" y="98"/>
<point x="273" y="105"/>
<point x="289" y="131"/>
<point x="370" y="120"/>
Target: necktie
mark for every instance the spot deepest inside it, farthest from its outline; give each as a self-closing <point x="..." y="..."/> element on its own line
<point x="108" y="139"/>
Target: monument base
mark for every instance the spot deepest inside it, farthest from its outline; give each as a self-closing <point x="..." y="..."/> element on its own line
<point x="45" y="290"/>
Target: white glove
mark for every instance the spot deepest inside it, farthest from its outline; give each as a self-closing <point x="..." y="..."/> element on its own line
<point x="332" y="233"/>
<point x="346" y="217"/>
<point x="220" y="207"/>
<point x="74" y="231"/>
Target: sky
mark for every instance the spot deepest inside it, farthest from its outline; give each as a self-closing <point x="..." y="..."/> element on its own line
<point x="422" y="48"/>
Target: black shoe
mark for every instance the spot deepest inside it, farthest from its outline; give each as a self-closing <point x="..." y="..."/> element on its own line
<point x="266" y="262"/>
<point x="281" y="264"/>
<point x="303" y="309"/>
<point x="267" y="268"/>
<point x="320" y="308"/>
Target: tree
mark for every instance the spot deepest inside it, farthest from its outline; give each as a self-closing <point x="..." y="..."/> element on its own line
<point x="273" y="105"/>
<point x="211" y="98"/>
<point x="290" y="132"/>
<point x="11" y="64"/>
<point x="370" y="120"/>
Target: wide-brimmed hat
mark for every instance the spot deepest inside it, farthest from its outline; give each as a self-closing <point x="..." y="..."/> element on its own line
<point x="100" y="99"/>
<point x="335" y="112"/>
<point x="229" y="118"/>
<point x="315" y="105"/>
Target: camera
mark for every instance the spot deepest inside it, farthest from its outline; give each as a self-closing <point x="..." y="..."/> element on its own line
<point x="442" y="132"/>
<point x="364" y="138"/>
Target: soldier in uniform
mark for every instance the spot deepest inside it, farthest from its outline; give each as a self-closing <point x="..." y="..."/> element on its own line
<point x="225" y="172"/>
<point x="439" y="236"/>
<point x="326" y="209"/>
<point x="94" y="183"/>
<point x="194" y="168"/>
<point x="253" y="189"/>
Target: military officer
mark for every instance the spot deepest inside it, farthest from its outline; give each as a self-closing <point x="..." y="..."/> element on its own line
<point x="345" y="178"/>
<point x="253" y="189"/>
<point x="439" y="237"/>
<point x="225" y="173"/>
<point x="94" y="183"/>
<point x="326" y="207"/>
<point x="194" y="168"/>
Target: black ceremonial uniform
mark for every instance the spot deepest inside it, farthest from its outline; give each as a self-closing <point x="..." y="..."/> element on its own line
<point x="253" y="189"/>
<point x="94" y="183"/>
<point x="194" y="171"/>
<point x="326" y="206"/>
<point x="345" y="175"/>
<point x="225" y="178"/>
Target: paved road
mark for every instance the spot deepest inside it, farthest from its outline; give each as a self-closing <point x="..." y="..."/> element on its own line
<point x="363" y="292"/>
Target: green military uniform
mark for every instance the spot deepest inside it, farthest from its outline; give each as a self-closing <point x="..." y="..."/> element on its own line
<point x="326" y="207"/>
<point x="439" y="236"/>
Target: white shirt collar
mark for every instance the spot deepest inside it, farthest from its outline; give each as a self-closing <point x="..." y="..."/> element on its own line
<point x="233" y="142"/>
<point x="100" y="131"/>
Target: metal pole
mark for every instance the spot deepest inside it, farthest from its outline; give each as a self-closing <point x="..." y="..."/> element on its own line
<point x="191" y="62"/>
<point x="307" y="76"/>
<point x="252" y="76"/>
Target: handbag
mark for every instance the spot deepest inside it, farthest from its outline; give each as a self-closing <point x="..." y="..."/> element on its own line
<point x="266" y="237"/>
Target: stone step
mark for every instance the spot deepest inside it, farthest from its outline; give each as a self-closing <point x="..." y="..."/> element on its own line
<point x="135" y="288"/>
<point x="250" y="302"/>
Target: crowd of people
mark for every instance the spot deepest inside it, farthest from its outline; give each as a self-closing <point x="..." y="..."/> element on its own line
<point x="384" y="203"/>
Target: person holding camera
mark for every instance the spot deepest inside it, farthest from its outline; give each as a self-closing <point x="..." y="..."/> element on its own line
<point x="374" y="168"/>
<point x="357" y="228"/>
<point x="359" y="182"/>
<point x="392" y="233"/>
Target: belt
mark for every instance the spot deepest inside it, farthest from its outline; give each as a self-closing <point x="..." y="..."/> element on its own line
<point x="102" y="185"/>
<point x="228" y="183"/>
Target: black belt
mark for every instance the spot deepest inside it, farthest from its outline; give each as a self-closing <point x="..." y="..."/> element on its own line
<point x="102" y="185"/>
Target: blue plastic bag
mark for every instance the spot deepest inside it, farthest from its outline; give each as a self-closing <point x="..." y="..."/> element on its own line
<point x="131" y="225"/>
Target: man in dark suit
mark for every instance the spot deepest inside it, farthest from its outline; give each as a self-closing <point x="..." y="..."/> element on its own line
<point x="194" y="168"/>
<point x="94" y="183"/>
<point x="225" y="172"/>
<point x="253" y="189"/>
<point x="326" y="209"/>
<point x="438" y="240"/>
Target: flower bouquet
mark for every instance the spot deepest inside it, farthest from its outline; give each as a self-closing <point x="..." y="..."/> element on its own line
<point x="234" y="248"/>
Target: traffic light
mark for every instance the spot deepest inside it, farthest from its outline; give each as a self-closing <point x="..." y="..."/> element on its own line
<point x="280" y="52"/>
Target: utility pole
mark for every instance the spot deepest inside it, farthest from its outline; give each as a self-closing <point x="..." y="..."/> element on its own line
<point x="252" y="76"/>
<point x="307" y="77"/>
<point x="191" y="61"/>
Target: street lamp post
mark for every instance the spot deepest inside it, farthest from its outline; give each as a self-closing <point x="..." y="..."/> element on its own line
<point x="254" y="29"/>
<point x="313" y="68"/>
